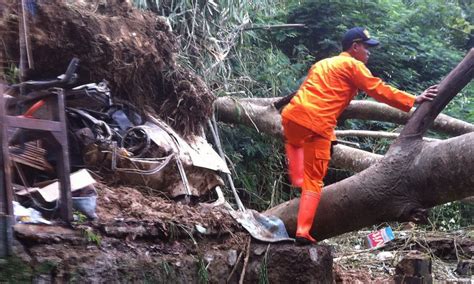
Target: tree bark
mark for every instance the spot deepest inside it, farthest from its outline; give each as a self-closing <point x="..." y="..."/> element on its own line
<point x="413" y="176"/>
<point x="352" y="159"/>
<point x="398" y="188"/>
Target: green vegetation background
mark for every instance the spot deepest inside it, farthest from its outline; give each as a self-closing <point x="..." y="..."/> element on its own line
<point x="230" y="45"/>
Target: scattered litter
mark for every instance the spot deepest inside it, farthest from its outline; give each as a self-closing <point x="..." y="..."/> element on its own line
<point x="201" y="229"/>
<point x="444" y="248"/>
<point x="50" y="193"/>
<point x="380" y="238"/>
<point x="28" y="215"/>
<point x="384" y="256"/>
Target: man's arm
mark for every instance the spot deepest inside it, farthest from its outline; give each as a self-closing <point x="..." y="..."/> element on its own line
<point x="382" y="92"/>
<point x="376" y="88"/>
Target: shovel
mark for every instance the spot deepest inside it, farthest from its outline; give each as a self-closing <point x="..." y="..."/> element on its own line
<point x="261" y="227"/>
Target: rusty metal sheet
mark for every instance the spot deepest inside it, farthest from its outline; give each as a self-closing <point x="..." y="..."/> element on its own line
<point x="198" y="152"/>
<point x="203" y="155"/>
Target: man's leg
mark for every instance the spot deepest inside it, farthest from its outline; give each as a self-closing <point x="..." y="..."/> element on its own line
<point x="295" y="135"/>
<point x="316" y="161"/>
<point x="295" y="157"/>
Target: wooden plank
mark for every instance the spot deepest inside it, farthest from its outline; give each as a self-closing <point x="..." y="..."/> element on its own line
<point x="65" y="209"/>
<point x="35" y="124"/>
<point x="6" y="194"/>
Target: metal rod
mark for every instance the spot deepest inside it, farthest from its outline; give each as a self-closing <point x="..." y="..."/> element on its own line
<point x="26" y="31"/>
<point x="217" y="141"/>
<point x="182" y="173"/>
<point x="65" y="208"/>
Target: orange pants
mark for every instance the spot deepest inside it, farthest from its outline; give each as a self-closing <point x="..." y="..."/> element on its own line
<point x="317" y="153"/>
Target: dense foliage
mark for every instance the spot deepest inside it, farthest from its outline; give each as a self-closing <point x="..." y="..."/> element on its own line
<point x="240" y="51"/>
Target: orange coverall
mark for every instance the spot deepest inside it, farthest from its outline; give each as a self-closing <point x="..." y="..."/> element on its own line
<point x="311" y="116"/>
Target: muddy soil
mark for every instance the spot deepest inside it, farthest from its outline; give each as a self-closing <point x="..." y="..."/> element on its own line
<point x="139" y="237"/>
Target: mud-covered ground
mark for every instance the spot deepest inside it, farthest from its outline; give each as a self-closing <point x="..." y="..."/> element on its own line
<point x="141" y="237"/>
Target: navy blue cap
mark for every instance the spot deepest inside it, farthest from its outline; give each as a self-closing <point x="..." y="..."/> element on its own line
<point x="357" y="34"/>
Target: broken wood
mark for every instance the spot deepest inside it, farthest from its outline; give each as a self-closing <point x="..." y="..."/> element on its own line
<point x="31" y="155"/>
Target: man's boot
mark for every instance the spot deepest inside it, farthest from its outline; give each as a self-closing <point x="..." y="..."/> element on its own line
<point x="309" y="202"/>
<point x="295" y="156"/>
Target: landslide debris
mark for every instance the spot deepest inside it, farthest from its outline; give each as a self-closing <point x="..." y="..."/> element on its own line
<point x="134" y="50"/>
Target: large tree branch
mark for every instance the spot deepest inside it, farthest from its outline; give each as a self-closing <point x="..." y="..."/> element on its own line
<point x="425" y="115"/>
<point x="263" y="117"/>
<point x="368" y="110"/>
<point x="260" y="112"/>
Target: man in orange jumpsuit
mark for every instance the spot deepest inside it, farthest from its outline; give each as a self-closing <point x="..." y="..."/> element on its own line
<point x="311" y="116"/>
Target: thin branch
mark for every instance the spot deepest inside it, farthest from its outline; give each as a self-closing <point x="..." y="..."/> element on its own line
<point x="373" y="134"/>
<point x="242" y="275"/>
<point x="271" y="27"/>
<point x="235" y="267"/>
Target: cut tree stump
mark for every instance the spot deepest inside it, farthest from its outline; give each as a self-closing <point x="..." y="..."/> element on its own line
<point x="414" y="268"/>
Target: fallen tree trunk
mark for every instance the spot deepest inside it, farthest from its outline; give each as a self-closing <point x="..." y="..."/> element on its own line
<point x="398" y="188"/>
<point x="260" y="114"/>
<point x="413" y="176"/>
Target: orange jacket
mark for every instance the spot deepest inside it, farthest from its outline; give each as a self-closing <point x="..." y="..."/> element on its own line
<point x="330" y="86"/>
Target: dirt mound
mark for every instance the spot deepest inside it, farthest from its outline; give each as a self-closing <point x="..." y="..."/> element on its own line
<point x="126" y="203"/>
<point x="132" y="49"/>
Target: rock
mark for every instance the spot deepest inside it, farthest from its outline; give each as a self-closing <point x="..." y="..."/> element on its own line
<point x="414" y="268"/>
<point x="42" y="234"/>
<point x="287" y="263"/>
<point x="465" y="268"/>
<point x="232" y="257"/>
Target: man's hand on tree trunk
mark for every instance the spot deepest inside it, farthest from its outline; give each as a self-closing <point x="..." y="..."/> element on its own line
<point x="427" y="95"/>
